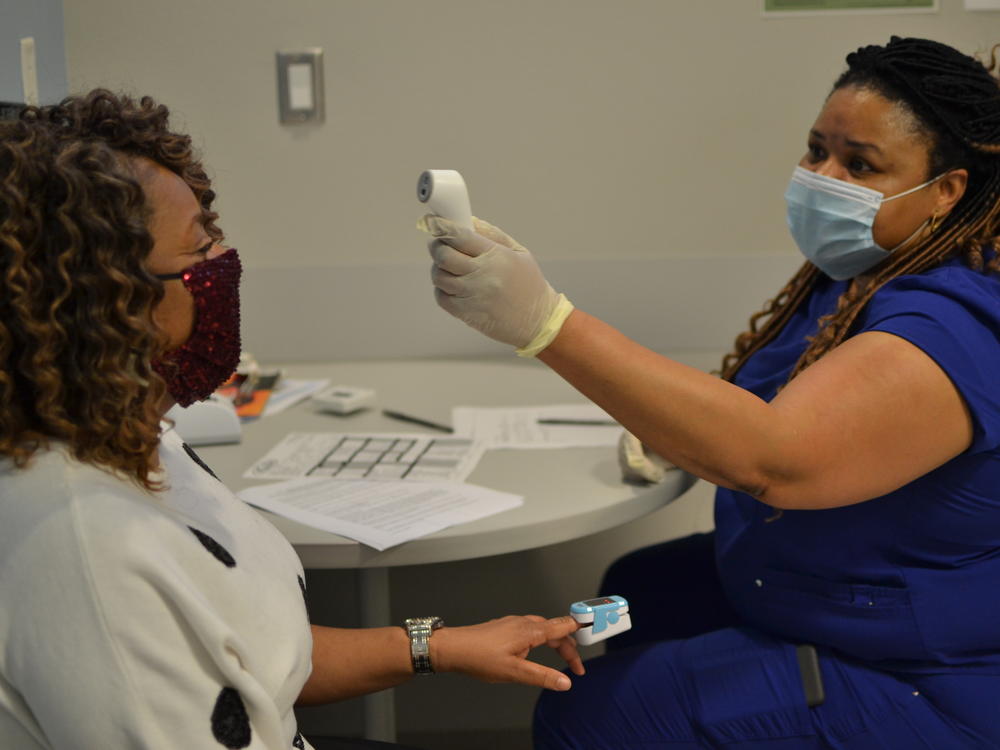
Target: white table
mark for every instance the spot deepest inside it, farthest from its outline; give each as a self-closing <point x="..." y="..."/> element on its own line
<point x="568" y="493"/>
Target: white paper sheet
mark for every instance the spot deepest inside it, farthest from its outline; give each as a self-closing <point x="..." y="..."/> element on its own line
<point x="519" y="427"/>
<point x="378" y="456"/>
<point x="289" y="392"/>
<point x="379" y="514"/>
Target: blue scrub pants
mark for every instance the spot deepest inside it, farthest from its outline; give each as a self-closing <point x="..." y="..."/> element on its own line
<point x="740" y="689"/>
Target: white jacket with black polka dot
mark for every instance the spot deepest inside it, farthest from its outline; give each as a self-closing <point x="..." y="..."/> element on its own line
<point x="138" y="620"/>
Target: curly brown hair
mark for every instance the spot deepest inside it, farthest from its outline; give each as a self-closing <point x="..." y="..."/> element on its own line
<point x="77" y="336"/>
<point x="955" y="102"/>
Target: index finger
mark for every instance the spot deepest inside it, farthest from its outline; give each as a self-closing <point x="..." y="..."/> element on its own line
<point x="558" y="627"/>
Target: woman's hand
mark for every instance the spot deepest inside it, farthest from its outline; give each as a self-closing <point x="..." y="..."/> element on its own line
<point x="497" y="650"/>
<point x="490" y="282"/>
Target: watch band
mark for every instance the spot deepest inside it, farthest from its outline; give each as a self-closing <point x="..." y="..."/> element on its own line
<point x="419" y="630"/>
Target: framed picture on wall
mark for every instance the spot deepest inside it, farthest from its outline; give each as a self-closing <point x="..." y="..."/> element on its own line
<point x="807" y="7"/>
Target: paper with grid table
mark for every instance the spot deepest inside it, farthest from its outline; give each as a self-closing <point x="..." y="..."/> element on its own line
<point x="371" y="456"/>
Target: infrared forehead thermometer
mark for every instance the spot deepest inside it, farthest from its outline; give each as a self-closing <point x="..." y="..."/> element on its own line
<point x="444" y="192"/>
<point x="600" y="618"/>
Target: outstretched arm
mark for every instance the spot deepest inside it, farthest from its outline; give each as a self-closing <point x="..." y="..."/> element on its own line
<point x="869" y="417"/>
<point x="352" y="662"/>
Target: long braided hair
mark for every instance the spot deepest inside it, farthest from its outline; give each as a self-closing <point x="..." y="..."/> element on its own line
<point x="955" y="101"/>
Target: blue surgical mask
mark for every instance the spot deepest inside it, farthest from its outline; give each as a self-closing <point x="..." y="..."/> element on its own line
<point x="831" y="222"/>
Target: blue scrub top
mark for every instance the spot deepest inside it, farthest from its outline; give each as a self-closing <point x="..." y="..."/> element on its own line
<point x="910" y="580"/>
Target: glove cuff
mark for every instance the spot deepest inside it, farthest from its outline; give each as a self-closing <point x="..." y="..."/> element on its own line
<point x="550" y="329"/>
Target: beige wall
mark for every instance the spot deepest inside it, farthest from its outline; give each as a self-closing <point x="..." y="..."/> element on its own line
<point x="647" y="130"/>
<point x="593" y="129"/>
<point x="640" y="147"/>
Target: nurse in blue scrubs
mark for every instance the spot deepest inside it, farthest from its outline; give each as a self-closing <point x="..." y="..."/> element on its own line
<point x="854" y="437"/>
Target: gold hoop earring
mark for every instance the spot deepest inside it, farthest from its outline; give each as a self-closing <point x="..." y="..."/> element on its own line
<point x="934" y="223"/>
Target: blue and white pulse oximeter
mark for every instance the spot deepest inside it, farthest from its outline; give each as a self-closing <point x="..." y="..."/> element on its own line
<point x="600" y="618"/>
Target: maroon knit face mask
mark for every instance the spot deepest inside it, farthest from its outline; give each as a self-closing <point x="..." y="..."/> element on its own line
<point x="210" y="355"/>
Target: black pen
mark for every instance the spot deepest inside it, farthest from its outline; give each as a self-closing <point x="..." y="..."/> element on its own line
<point x="415" y="420"/>
<point x="590" y="422"/>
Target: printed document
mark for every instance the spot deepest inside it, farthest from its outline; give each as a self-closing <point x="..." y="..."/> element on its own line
<point x="555" y="426"/>
<point x="375" y="456"/>
<point x="379" y="514"/>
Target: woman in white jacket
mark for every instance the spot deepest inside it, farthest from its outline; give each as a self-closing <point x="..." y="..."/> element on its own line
<point x="142" y="605"/>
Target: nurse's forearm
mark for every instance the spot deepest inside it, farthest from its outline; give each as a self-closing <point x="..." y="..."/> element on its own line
<point x="702" y="424"/>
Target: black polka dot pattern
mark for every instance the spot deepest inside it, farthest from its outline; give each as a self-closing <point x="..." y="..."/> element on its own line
<point x="302" y="587"/>
<point x="298" y="743"/>
<point x="197" y="459"/>
<point x="220" y="552"/>
<point x="230" y="723"/>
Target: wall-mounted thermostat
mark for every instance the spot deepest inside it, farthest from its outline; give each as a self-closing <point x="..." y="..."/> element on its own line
<point x="300" y="85"/>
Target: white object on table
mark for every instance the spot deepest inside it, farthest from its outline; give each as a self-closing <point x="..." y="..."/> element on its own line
<point x="379" y="514"/>
<point x="345" y="399"/>
<point x="289" y="391"/>
<point x="523" y="426"/>
<point x="412" y="457"/>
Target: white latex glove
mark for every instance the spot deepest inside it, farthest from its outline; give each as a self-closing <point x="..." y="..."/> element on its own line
<point x="489" y="281"/>
<point x="638" y="463"/>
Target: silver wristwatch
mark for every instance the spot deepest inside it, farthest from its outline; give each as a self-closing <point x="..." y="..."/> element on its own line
<point x="419" y="629"/>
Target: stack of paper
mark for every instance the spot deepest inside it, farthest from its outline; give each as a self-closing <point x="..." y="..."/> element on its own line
<point x="558" y="426"/>
<point x="379" y="514"/>
<point x="383" y="489"/>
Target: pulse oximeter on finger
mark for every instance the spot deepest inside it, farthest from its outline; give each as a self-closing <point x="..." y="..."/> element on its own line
<point x="600" y="618"/>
